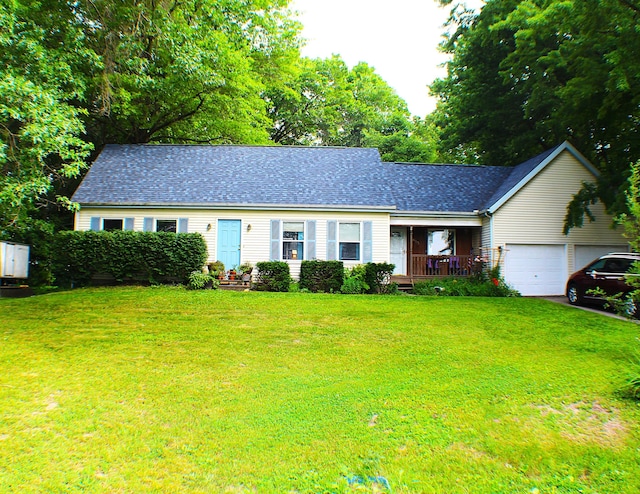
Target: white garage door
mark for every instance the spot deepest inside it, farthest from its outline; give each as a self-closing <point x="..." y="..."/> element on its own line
<point x="587" y="253"/>
<point x="536" y="269"/>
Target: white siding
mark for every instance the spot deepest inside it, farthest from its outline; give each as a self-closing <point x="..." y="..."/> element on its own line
<point x="535" y="214"/>
<point x="255" y="242"/>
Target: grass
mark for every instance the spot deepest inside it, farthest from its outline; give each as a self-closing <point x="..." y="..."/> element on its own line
<point x="169" y="390"/>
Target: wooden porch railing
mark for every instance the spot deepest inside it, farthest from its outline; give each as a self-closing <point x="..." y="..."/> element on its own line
<point x="424" y="265"/>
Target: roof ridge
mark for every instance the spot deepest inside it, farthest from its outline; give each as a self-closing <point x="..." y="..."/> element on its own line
<point x="274" y="146"/>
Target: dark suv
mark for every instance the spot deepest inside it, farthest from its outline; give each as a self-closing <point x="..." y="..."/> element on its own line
<point x="607" y="272"/>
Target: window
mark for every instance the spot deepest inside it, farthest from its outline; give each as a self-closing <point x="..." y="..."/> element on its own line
<point x="441" y="242"/>
<point x="111" y="224"/>
<point x="292" y="240"/>
<point x="166" y="226"/>
<point x="349" y="241"/>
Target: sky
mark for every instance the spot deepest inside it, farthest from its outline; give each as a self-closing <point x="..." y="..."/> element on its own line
<point x="399" y="38"/>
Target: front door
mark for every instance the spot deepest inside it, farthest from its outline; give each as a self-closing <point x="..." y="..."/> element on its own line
<point x="229" y="243"/>
<point x="398" y="250"/>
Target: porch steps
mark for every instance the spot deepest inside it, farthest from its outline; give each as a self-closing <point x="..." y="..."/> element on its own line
<point x="405" y="283"/>
<point x="234" y="285"/>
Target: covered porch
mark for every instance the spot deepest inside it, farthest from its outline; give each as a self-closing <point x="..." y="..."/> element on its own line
<point x="426" y="251"/>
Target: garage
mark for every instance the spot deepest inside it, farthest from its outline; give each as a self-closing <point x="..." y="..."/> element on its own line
<point x="536" y="270"/>
<point x="584" y="254"/>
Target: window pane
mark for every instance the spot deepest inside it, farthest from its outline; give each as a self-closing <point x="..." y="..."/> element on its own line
<point x="292" y="250"/>
<point x="293" y="230"/>
<point x="111" y="224"/>
<point x="349" y="232"/>
<point x="166" y="226"/>
<point x="598" y="265"/>
<point x="349" y="251"/>
<point x="617" y="266"/>
<point x="440" y="242"/>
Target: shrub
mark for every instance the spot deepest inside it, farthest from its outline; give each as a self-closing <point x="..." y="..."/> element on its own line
<point x="321" y="276"/>
<point x="199" y="281"/>
<point x="378" y="277"/>
<point x="354" y="280"/>
<point x="143" y="257"/>
<point x="464" y="287"/>
<point x="273" y="276"/>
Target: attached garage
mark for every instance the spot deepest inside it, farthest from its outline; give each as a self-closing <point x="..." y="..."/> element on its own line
<point x="584" y="254"/>
<point x="536" y="270"/>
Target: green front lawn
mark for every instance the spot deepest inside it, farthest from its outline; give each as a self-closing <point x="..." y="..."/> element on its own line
<point x="169" y="390"/>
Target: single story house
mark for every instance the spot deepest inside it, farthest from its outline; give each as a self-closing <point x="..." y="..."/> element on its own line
<point x="258" y="203"/>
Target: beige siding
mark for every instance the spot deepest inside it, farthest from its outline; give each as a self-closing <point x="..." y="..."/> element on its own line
<point x="535" y="214"/>
<point x="255" y="242"/>
<point x="486" y="233"/>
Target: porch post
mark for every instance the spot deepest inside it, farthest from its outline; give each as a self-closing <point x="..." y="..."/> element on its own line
<point x="410" y="270"/>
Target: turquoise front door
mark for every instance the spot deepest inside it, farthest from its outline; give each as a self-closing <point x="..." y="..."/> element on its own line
<point x="229" y="243"/>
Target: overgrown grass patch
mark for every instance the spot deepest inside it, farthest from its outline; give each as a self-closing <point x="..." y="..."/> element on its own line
<point x="169" y="390"/>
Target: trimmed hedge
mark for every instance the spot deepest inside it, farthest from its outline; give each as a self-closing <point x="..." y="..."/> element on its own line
<point x="138" y="257"/>
<point x="273" y="276"/>
<point x="321" y="276"/>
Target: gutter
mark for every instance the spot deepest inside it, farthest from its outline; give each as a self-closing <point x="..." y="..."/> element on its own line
<point x="436" y="214"/>
<point x="250" y="207"/>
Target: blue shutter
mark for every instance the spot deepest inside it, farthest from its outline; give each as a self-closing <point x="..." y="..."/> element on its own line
<point x="147" y="225"/>
<point x="367" y="241"/>
<point x="332" y="240"/>
<point x="95" y="223"/>
<point x="183" y="225"/>
<point x="275" y="240"/>
<point x="310" y="240"/>
<point x="128" y="224"/>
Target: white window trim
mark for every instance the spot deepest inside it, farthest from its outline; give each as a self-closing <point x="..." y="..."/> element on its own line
<point x="360" y="242"/>
<point x="102" y="220"/>
<point x="155" y="223"/>
<point x="303" y="241"/>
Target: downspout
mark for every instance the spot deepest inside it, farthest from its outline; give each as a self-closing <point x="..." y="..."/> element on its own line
<point x="487" y="214"/>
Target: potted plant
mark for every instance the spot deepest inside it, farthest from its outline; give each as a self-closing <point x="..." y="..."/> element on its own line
<point x="245" y="269"/>
<point x="216" y="269"/>
<point x="232" y="273"/>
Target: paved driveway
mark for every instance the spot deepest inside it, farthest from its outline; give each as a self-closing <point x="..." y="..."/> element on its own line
<point x="563" y="300"/>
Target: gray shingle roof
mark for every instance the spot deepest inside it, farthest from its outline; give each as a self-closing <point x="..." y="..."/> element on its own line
<point x="235" y="175"/>
<point x="210" y="176"/>
<point x="446" y="188"/>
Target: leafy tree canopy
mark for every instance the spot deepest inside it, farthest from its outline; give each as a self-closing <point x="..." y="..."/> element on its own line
<point x="527" y="74"/>
<point x="326" y="103"/>
<point x="39" y="126"/>
<point x="77" y="75"/>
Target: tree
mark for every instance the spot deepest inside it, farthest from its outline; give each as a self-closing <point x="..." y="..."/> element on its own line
<point x="79" y="74"/>
<point x="327" y="103"/>
<point x="40" y="129"/>
<point x="528" y="74"/>
<point x="184" y="70"/>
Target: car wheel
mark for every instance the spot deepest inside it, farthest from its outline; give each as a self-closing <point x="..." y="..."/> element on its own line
<point x="573" y="294"/>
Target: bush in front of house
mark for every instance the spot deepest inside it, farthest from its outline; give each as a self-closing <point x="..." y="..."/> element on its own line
<point x="355" y="280"/>
<point x="378" y="277"/>
<point x="474" y="286"/>
<point x="199" y="280"/>
<point x="139" y="257"/>
<point x="321" y="276"/>
<point x="273" y="276"/>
